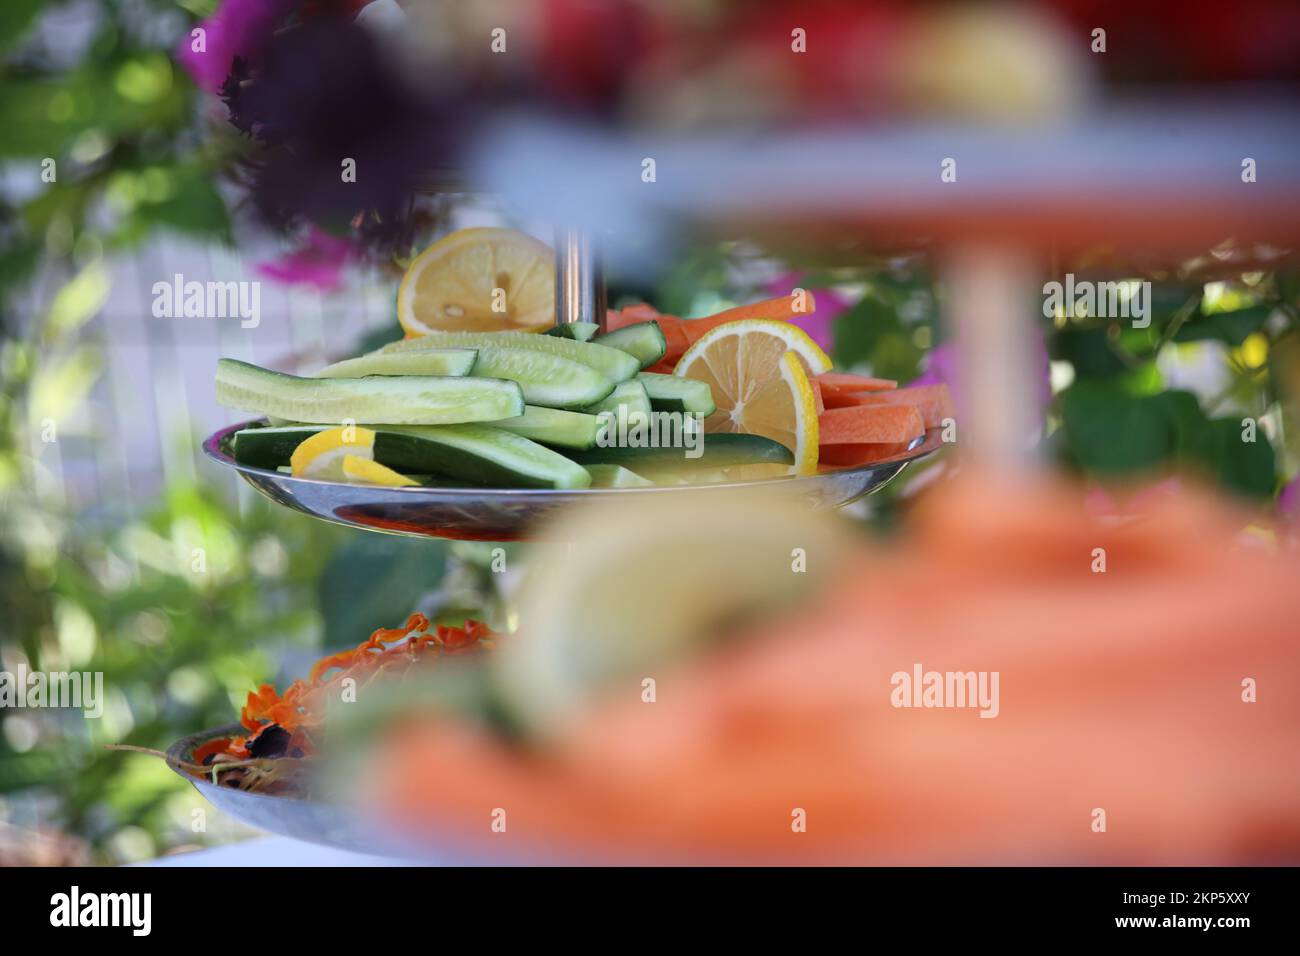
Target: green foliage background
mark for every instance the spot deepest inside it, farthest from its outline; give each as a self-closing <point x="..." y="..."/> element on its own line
<point x="99" y="591"/>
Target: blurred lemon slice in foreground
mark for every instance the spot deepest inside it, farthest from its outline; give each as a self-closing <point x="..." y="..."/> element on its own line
<point x="321" y="456"/>
<point x="479" y="280"/>
<point x="757" y="370"/>
<point x="632" y="586"/>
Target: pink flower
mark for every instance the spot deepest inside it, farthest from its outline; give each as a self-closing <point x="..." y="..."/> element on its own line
<point x="319" y="262"/>
<point x="1100" y="504"/>
<point x="820" y="323"/>
<point x="238" y="28"/>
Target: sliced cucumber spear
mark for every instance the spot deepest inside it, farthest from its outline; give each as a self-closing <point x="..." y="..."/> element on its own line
<point x="616" y="476"/>
<point x="551" y="426"/>
<point x="631" y="394"/>
<point x="478" y="454"/>
<point x="644" y="340"/>
<point x="428" y="362"/>
<point x="615" y="364"/>
<point x="675" y="393"/>
<point x="550" y="380"/>
<point x="546" y="379"/>
<point x="393" y="400"/>
<point x="718" y="451"/>
<point x="582" y="331"/>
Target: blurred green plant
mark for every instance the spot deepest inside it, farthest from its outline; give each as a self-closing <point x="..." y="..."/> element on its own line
<point x="181" y="635"/>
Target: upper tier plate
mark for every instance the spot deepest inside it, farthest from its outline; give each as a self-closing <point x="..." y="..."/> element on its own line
<point x="511" y="514"/>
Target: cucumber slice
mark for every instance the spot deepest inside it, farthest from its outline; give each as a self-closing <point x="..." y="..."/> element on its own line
<point x="673" y="393"/>
<point x="270" y="447"/>
<point x="616" y="476"/>
<point x="480" y="454"/>
<point x="581" y="331"/>
<point x="631" y="394"/>
<point x="645" y="340"/>
<point x="474" y="454"/>
<point x="398" y="399"/>
<point x="719" y="450"/>
<point x="615" y="364"/>
<point x="429" y="362"/>
<point x="550" y="380"/>
<point x="551" y="426"/>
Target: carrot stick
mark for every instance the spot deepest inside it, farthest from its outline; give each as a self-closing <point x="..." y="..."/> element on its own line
<point x="933" y="401"/>
<point x="846" y="382"/>
<point x="782" y="308"/>
<point x="618" y="318"/>
<point x="859" y="453"/>
<point x="869" y="424"/>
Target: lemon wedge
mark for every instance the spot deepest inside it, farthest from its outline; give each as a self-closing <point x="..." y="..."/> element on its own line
<point x="758" y="372"/>
<point x="479" y="280"/>
<point x="321" y="456"/>
<point x="370" y="472"/>
<point x="630" y="587"/>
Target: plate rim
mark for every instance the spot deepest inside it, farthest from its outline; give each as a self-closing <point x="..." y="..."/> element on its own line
<point x="921" y="447"/>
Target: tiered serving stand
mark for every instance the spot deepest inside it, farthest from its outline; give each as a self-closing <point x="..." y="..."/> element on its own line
<point x="1156" y="183"/>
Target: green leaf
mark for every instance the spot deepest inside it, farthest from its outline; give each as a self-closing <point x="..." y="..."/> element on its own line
<point x="1111" y="432"/>
<point x="1231" y="327"/>
<point x="872" y="333"/>
<point x="16" y="18"/>
<point x="1248" y="468"/>
<point x="192" y="204"/>
<point x="200" y="8"/>
<point x="1089" y="350"/>
<point x="375" y="581"/>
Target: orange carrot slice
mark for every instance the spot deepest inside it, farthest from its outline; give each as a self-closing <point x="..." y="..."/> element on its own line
<point x="781" y="308"/>
<point x="933" y="401"/>
<point x="618" y="318"/>
<point x="869" y="424"/>
<point x="847" y="382"/>
<point x="859" y="453"/>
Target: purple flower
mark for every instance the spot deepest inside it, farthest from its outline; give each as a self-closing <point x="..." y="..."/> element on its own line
<point x="819" y="324"/>
<point x="1288" y="508"/>
<point x="238" y="28"/>
<point x="319" y="262"/>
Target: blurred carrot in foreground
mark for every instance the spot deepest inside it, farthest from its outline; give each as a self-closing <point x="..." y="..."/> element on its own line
<point x="1123" y="654"/>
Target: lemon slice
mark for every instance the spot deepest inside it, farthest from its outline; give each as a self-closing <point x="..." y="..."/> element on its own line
<point x="757" y="371"/>
<point x="635" y="585"/>
<point x="321" y="456"/>
<point x="371" y="472"/>
<point x="479" y="280"/>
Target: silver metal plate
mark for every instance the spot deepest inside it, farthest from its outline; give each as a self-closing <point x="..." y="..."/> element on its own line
<point x="512" y="514"/>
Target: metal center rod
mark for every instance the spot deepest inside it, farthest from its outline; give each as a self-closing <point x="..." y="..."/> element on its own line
<point x="579" y="278"/>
